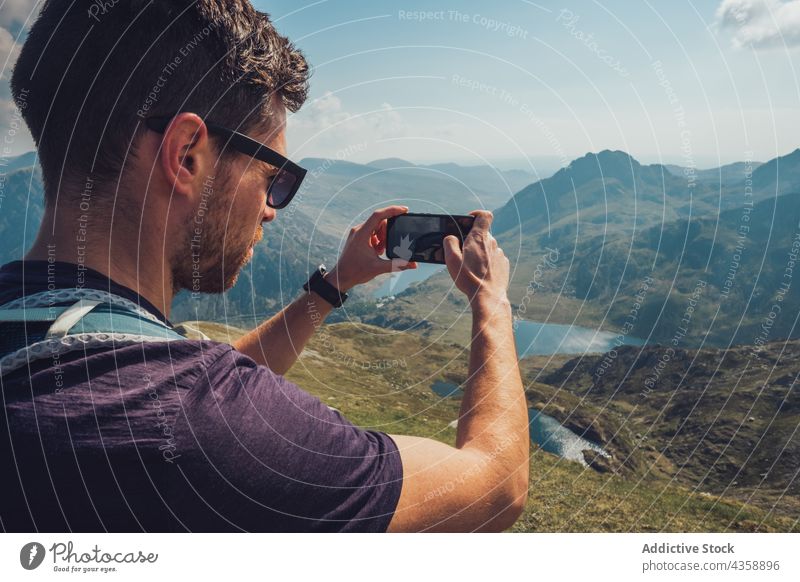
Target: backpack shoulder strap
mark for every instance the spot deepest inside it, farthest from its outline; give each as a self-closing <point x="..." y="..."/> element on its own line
<point x="87" y="323"/>
<point x="70" y="316"/>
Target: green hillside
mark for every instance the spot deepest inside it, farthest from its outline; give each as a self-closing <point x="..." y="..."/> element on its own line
<point x="381" y="379"/>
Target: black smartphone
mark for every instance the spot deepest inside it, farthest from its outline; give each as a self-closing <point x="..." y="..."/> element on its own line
<point x="420" y="237"/>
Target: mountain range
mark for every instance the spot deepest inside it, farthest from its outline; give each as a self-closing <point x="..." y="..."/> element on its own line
<point x="338" y="194"/>
<point x="607" y="223"/>
<point x="610" y="243"/>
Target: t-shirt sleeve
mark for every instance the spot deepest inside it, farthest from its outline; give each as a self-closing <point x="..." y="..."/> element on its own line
<point x="261" y="454"/>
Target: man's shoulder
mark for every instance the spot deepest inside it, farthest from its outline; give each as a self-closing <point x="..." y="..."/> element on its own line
<point x="173" y="360"/>
<point x="177" y="362"/>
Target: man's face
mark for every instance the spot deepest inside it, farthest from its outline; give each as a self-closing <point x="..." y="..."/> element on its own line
<point x="227" y="222"/>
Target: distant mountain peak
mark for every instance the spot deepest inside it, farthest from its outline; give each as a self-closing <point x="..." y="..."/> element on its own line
<point x="604" y="156"/>
<point x="794" y="156"/>
<point x="386" y="163"/>
<point x="606" y="163"/>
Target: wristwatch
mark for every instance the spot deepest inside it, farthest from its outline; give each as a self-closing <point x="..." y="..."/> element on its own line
<point x="321" y="287"/>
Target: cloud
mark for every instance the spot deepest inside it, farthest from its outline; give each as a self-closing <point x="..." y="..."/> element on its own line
<point x="761" y="23"/>
<point x="9" y="51"/>
<point x="324" y="127"/>
<point x="16" y="12"/>
<point x="16" y="16"/>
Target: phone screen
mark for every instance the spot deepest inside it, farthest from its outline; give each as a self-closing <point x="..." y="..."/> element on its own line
<point x="420" y="237"/>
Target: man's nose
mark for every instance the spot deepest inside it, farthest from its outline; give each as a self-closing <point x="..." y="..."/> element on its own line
<point x="269" y="214"/>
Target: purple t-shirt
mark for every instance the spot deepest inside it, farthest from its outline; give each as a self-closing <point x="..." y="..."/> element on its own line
<point x="177" y="436"/>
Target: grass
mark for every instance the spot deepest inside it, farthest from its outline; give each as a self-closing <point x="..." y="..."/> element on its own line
<point x="380" y="379"/>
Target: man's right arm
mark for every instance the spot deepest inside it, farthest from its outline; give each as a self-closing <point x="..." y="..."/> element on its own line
<point x="481" y="484"/>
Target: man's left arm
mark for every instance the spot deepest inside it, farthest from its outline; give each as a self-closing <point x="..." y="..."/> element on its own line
<point x="278" y="342"/>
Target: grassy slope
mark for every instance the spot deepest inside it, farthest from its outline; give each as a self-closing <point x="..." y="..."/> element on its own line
<point x="379" y="379"/>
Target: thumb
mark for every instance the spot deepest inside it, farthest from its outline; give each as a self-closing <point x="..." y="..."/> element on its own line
<point x="453" y="257"/>
<point x="395" y="265"/>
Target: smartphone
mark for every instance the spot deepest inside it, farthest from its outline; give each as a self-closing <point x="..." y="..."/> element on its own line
<point x="420" y="237"/>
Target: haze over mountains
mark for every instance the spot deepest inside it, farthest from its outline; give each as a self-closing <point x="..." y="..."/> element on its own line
<point x="606" y="222"/>
<point x="338" y="194"/>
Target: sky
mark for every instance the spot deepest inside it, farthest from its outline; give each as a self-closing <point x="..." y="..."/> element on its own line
<point x="533" y="85"/>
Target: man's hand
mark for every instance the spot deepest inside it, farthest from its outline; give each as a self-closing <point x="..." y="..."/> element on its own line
<point x="481" y="269"/>
<point x="360" y="260"/>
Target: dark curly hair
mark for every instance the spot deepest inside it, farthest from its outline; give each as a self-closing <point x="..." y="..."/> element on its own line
<point x="90" y="70"/>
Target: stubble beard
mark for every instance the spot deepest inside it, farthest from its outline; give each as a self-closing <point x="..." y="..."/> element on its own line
<point x="215" y="257"/>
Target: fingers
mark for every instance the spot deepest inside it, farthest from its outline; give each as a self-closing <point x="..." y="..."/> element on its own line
<point x="483" y="220"/>
<point x="453" y="256"/>
<point x="380" y="238"/>
<point x="395" y="265"/>
<point x="373" y="223"/>
<point x="374" y="241"/>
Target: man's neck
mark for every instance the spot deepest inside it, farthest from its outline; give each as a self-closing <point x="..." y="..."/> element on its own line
<point x="139" y="264"/>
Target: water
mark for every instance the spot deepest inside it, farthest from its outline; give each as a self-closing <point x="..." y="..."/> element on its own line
<point x="446" y="389"/>
<point x="557" y="439"/>
<point x="533" y="338"/>
<point x="542" y="339"/>
<point x="399" y="282"/>
<point x="544" y="430"/>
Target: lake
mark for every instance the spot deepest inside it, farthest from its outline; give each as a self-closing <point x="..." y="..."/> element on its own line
<point x="544" y="430"/>
<point x="542" y="339"/>
<point x="399" y="282"/>
<point x="533" y="338"/>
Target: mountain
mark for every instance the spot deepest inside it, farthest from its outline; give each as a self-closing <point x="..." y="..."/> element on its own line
<point x="742" y="257"/>
<point x="338" y="194"/>
<point x="722" y="421"/>
<point x="626" y="247"/>
<point x="21" y="208"/>
<point x="9" y="165"/>
<point x="609" y="189"/>
<point x="727" y="175"/>
<point x="480" y="177"/>
<point x="778" y="176"/>
<point x="390" y="163"/>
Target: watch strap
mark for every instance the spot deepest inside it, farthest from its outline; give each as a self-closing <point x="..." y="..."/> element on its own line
<point x="321" y="287"/>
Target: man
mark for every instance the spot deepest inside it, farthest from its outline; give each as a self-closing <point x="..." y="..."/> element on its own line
<point x="140" y="112"/>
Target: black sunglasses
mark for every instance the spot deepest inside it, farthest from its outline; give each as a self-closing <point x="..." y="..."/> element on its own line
<point x="284" y="184"/>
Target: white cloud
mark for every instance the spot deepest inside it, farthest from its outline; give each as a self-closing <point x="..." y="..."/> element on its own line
<point x="17" y="12"/>
<point x="16" y="16"/>
<point x="761" y="23"/>
<point x="9" y="51"/>
<point x="323" y="127"/>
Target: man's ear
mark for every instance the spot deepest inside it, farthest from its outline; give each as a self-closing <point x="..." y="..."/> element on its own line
<point x="186" y="155"/>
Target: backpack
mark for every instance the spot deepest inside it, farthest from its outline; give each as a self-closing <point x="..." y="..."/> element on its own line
<point x="51" y="323"/>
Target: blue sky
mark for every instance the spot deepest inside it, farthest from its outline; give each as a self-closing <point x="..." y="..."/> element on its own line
<point x="462" y="83"/>
<point x="536" y="84"/>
